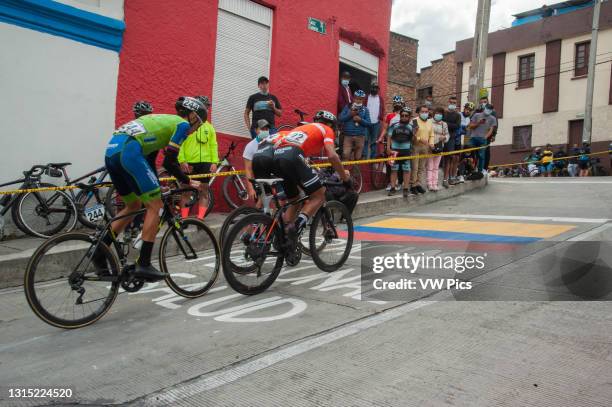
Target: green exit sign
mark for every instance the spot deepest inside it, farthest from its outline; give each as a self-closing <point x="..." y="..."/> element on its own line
<point x="316" y="25"/>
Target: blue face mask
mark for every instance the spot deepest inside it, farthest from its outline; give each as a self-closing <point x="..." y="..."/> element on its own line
<point x="437" y="117"/>
<point x="263" y="134"/>
<point x="424" y="116"/>
<point x="344" y="82"/>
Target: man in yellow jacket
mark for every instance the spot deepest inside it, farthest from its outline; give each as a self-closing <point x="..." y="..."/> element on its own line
<point x="199" y="154"/>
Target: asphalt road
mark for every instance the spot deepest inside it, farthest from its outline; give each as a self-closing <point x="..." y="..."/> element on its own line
<point x="312" y="340"/>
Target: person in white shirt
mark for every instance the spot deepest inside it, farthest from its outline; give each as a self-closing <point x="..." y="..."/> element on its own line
<point x="376" y="106"/>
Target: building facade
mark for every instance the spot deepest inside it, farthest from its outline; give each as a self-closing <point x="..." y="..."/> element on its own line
<point x="402" y="68"/>
<point x="82" y="82"/>
<point x="438" y="80"/>
<point x="536" y="74"/>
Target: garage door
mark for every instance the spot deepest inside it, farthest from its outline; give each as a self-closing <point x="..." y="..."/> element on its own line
<point x="242" y="56"/>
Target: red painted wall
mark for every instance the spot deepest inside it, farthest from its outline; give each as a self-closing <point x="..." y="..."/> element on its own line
<point x="169" y="50"/>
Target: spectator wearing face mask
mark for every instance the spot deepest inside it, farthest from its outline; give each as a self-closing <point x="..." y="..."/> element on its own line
<point x="376" y="106"/>
<point x="264" y="105"/>
<point x="584" y="160"/>
<point x="399" y="143"/>
<point x="355" y="121"/>
<point x="429" y="104"/>
<point x="452" y="118"/>
<point x="481" y="127"/>
<point x="422" y="144"/>
<point x="391" y="119"/>
<point x="441" y="137"/>
<point x="483" y="102"/>
<point x="345" y="96"/>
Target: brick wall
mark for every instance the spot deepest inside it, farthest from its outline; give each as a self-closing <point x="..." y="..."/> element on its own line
<point x="441" y="76"/>
<point x="402" y="68"/>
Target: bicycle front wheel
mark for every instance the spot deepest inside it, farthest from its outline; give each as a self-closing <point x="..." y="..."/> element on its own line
<point x="44" y="214"/>
<point x="232" y="218"/>
<point x="251" y="255"/>
<point x="65" y="291"/>
<point x="190" y="255"/>
<point x="331" y="236"/>
<point x="235" y="192"/>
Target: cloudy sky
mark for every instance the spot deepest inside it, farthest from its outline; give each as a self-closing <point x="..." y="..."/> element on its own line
<point x="438" y="24"/>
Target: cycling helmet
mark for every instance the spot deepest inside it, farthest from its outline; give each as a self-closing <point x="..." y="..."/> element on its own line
<point x="469" y="105"/>
<point x="359" y="93"/>
<point x="398" y="100"/>
<point x="186" y="104"/>
<point x="205" y="100"/>
<point x="142" y="107"/>
<point x="406" y="109"/>
<point x="325" y="117"/>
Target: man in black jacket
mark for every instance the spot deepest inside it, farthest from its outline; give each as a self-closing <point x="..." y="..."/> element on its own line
<point x="453" y="119"/>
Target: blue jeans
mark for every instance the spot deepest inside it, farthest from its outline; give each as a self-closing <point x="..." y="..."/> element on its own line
<point x="477" y="142"/>
<point x="273" y="130"/>
<point x="369" y="149"/>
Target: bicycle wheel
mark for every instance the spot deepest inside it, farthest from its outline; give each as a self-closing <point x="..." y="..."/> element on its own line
<point x="44" y="214"/>
<point x="190" y="255"/>
<point x="235" y="192"/>
<point x="113" y="202"/>
<point x="86" y="201"/>
<point x="232" y="218"/>
<point x="356" y="177"/>
<point x="67" y="293"/>
<point x="251" y="256"/>
<point x="331" y="236"/>
<point x="284" y="127"/>
<point x="378" y="175"/>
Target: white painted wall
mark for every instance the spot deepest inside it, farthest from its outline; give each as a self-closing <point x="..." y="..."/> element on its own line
<point x="58" y="101"/>
<point x="524" y="106"/>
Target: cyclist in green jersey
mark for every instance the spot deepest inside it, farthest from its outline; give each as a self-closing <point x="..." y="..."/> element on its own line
<point x="135" y="180"/>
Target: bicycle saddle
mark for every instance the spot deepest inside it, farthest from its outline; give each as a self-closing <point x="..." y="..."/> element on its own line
<point x="269" y="181"/>
<point x="59" y="165"/>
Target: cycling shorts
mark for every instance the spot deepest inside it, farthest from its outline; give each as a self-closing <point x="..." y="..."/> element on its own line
<point x="133" y="177"/>
<point x="290" y="164"/>
<point x="263" y="161"/>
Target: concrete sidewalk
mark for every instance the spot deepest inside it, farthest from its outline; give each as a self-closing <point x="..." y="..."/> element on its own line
<point x="15" y="253"/>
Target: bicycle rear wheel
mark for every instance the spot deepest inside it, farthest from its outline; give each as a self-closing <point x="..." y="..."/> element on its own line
<point x="87" y="200"/>
<point x="44" y="214"/>
<point x="331" y="236"/>
<point x="191" y="257"/>
<point x="68" y="293"/>
<point x="232" y="218"/>
<point x="251" y="256"/>
<point x="235" y="192"/>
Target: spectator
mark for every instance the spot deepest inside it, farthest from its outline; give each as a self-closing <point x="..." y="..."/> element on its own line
<point x="345" y="96"/>
<point x="356" y="121"/>
<point x="422" y="143"/>
<point x="399" y="143"/>
<point x="263" y="131"/>
<point x="264" y="105"/>
<point x="483" y="102"/>
<point x="559" y="164"/>
<point x="572" y="166"/>
<point x="199" y="154"/>
<point x="584" y="160"/>
<point x="547" y="161"/>
<point x="466" y="115"/>
<point x="452" y="118"/>
<point x="376" y="106"/>
<point x="441" y="138"/>
<point x="429" y="103"/>
<point x="533" y="160"/>
<point x="481" y="127"/>
<point x="391" y="119"/>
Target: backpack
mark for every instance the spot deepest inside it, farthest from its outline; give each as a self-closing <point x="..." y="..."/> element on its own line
<point x="339" y="192"/>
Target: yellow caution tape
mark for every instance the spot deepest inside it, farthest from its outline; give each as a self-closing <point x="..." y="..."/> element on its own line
<point x="554" y="159"/>
<point x="241" y="172"/>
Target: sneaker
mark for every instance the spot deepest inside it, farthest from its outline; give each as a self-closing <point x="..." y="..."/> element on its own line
<point x="419" y="189"/>
<point x="392" y="192"/>
<point x="445" y="183"/>
<point x="452" y="181"/>
<point x="406" y="192"/>
<point x="148" y="273"/>
<point x="413" y="191"/>
<point x="461" y="180"/>
<point x="389" y="187"/>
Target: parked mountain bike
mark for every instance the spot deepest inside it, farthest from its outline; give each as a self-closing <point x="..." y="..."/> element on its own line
<point x="379" y="172"/>
<point x="42" y="213"/>
<point x="257" y="245"/>
<point x="301" y="122"/>
<point x="72" y="293"/>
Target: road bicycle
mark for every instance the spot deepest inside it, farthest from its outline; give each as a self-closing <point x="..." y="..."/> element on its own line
<point x="42" y="213"/>
<point x="67" y="291"/>
<point x="258" y="244"/>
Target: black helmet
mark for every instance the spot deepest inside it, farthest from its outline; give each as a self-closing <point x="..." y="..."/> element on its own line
<point x="186" y="104"/>
<point x="141" y="108"/>
<point x="325" y="117"/>
<point x="205" y="100"/>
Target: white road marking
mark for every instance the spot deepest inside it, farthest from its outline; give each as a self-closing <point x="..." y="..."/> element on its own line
<point x="249" y="367"/>
<point x="501" y="217"/>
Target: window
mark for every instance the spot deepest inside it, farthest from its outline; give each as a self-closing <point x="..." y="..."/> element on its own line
<point x="521" y="138"/>
<point x="526" y="70"/>
<point x="581" y="59"/>
<point x="423" y="93"/>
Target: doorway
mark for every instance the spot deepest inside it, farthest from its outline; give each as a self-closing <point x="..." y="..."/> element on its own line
<point x="575" y="134"/>
<point x="359" y="79"/>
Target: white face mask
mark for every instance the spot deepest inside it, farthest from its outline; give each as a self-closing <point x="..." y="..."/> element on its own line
<point x="263" y="134"/>
<point x="344" y="82"/>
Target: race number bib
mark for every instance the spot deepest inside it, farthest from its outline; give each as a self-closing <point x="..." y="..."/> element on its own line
<point x="132" y="128"/>
<point x="296" y="137"/>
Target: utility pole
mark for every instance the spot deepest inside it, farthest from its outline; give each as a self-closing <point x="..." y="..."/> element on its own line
<point x="588" y="108"/>
<point x="479" y="50"/>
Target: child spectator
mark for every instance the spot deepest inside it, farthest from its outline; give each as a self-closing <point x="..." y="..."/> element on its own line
<point x="547" y="161"/>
